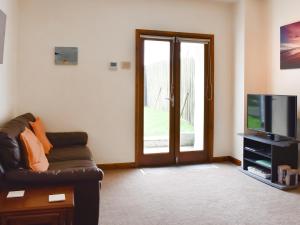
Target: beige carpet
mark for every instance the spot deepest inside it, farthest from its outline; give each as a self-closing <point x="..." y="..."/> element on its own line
<point x="213" y="194"/>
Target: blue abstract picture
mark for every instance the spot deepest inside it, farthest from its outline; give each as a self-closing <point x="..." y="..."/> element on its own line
<point x="66" y="55"/>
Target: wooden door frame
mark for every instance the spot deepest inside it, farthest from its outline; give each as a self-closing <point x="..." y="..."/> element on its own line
<point x="209" y="90"/>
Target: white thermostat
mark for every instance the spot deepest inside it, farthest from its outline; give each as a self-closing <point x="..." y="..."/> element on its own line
<point x="113" y="66"/>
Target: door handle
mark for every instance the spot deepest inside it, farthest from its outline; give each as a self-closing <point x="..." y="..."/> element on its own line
<point x="171" y="99"/>
<point x="209" y="92"/>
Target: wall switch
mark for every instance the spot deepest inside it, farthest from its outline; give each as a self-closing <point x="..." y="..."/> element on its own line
<point x="126" y="65"/>
<point x="113" y="66"/>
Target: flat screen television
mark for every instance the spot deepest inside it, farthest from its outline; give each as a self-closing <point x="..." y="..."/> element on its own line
<point x="272" y="114"/>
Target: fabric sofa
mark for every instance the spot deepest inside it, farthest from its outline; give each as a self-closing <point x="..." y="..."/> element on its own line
<point x="70" y="163"/>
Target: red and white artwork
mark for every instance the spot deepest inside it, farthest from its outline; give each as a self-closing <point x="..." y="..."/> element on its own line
<point x="290" y="46"/>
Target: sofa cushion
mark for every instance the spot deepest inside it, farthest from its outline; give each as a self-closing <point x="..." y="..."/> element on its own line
<point x="36" y="157"/>
<point x="58" y="173"/>
<point x="66" y="139"/>
<point x="79" y="152"/>
<point x="39" y="131"/>
<point x="10" y="153"/>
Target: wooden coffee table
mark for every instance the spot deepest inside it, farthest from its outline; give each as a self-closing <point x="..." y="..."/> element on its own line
<point x="34" y="207"/>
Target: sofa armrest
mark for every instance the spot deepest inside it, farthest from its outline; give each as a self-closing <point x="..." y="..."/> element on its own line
<point x="65" y="139"/>
<point x="2" y="172"/>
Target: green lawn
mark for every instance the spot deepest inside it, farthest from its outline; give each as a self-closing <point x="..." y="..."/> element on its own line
<point x="156" y="123"/>
<point x="253" y="122"/>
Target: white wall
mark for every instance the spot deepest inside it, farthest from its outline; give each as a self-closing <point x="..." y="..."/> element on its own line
<point x="239" y="79"/>
<point x="8" y="70"/>
<point x="89" y="97"/>
<point x="282" y="81"/>
<point x="250" y="62"/>
<point x="256" y="50"/>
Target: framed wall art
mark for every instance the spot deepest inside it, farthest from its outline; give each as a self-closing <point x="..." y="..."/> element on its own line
<point x="290" y="46"/>
<point x="66" y="55"/>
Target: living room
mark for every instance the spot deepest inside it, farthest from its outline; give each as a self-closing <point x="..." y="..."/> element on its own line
<point x="98" y="95"/>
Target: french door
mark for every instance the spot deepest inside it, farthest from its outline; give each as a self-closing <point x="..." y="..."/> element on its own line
<point x="174" y="97"/>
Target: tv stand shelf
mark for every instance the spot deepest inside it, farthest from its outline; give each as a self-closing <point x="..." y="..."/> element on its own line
<point x="266" y="155"/>
<point x="267" y="181"/>
<point x="264" y="139"/>
<point x="257" y="164"/>
<point x="258" y="152"/>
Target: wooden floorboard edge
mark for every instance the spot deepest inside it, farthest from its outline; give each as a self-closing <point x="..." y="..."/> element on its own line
<point x="130" y="165"/>
<point x="115" y="166"/>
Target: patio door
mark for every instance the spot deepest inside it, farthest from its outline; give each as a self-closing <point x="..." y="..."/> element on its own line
<point x="174" y="97"/>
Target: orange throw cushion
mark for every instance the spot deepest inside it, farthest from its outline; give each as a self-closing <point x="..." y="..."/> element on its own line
<point x="39" y="131"/>
<point x="36" y="157"/>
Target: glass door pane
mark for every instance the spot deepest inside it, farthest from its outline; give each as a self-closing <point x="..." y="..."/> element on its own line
<point x="156" y="96"/>
<point x="191" y="96"/>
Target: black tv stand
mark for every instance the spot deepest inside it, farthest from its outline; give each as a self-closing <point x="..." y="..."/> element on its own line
<point x="275" y="137"/>
<point x="265" y="154"/>
<point x="272" y="137"/>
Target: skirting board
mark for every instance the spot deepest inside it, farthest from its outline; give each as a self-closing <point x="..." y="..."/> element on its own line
<point x="130" y="165"/>
<point x="115" y="166"/>
<point x="227" y="159"/>
<point x="220" y="159"/>
<point x="234" y="161"/>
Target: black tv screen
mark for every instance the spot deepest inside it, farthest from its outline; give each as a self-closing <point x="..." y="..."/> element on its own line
<point x="274" y="114"/>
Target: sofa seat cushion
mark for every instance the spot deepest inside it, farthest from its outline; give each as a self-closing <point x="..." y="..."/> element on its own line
<point x="66" y="139"/>
<point x="79" y="152"/>
<point x="62" y="172"/>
